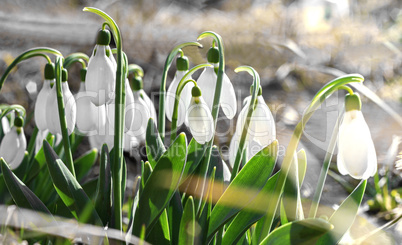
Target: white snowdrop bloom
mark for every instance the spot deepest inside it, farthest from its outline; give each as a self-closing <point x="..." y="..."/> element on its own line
<point x="149" y="103"/>
<point x="356" y="152"/>
<point x="52" y="113"/>
<point x="261" y="131"/>
<point x="88" y="115"/>
<point x="199" y="118"/>
<point x="41" y="100"/>
<point x="142" y="114"/>
<point x="5" y="125"/>
<point x="13" y="145"/>
<point x="101" y="74"/>
<point x="185" y="97"/>
<point x="207" y="83"/>
<point x="42" y="134"/>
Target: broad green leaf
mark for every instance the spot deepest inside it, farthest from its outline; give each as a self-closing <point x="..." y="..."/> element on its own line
<point x="90" y="188"/>
<point x="161" y="185"/>
<point x="302" y="232"/>
<point x="244" y="187"/>
<point x="83" y="164"/>
<point x="302" y="166"/>
<point x="103" y="203"/>
<point x="344" y="216"/>
<point x="39" y="160"/>
<point x="195" y="154"/>
<point x="283" y="216"/>
<point x="21" y="170"/>
<point x="187" y="224"/>
<point x="146" y="171"/>
<point x="69" y="189"/>
<point x="251" y="213"/>
<point x="153" y="143"/>
<point x="202" y="219"/>
<point x="21" y="194"/>
<point x="291" y="192"/>
<point x="175" y="212"/>
<point x="160" y="231"/>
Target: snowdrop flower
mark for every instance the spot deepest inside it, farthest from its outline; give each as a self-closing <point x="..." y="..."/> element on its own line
<point x="41" y="100"/>
<point x="356" y="152"/>
<point x="142" y="112"/>
<point x="185" y="97"/>
<point x="89" y="116"/>
<point x="138" y="86"/>
<point x="101" y="75"/>
<point x="207" y="83"/>
<point x="52" y="110"/>
<point x="199" y="118"/>
<point x="261" y="131"/>
<point x="13" y="145"/>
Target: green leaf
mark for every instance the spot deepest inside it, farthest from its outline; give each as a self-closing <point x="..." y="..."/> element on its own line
<point x="21" y="194"/>
<point x="160" y="231"/>
<point x="187" y="224"/>
<point x="21" y="170"/>
<point x="146" y="172"/>
<point x="153" y="143"/>
<point x="291" y="193"/>
<point x="69" y="189"/>
<point x="195" y="154"/>
<point x="161" y="185"/>
<point x="103" y="203"/>
<point x="302" y="165"/>
<point x="175" y="212"/>
<point x="244" y="187"/>
<point x="250" y="214"/>
<point x="84" y="163"/>
<point x="283" y="216"/>
<point x="344" y="216"/>
<point x="303" y="232"/>
<point x="39" y="161"/>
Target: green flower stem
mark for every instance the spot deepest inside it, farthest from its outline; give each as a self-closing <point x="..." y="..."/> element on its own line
<point x="321" y="95"/>
<point x="135" y="69"/>
<point x="119" y="119"/>
<point x="179" y="89"/>
<point x="26" y="55"/>
<point x="62" y="117"/>
<point x="325" y="167"/>
<point x="76" y="57"/>
<point x="253" y="102"/>
<point x="5" y="109"/>
<point x="162" y="93"/>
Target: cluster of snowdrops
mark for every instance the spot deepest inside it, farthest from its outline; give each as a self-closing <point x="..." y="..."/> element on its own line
<point x="180" y="196"/>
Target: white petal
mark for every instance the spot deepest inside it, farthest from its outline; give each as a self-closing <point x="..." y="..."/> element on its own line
<point x="171" y="95"/>
<point x="5" y="124"/>
<point x="142" y="114"/>
<point x="355" y="147"/>
<point x="101" y="77"/>
<point x="207" y="83"/>
<point x="52" y="114"/>
<point x="254" y="146"/>
<point x="149" y="104"/>
<point x="39" y="139"/>
<point x="70" y="107"/>
<point x="129" y="101"/>
<point x="200" y="121"/>
<point x="87" y="113"/>
<point x="40" y="106"/>
<point x="12" y="147"/>
<point x="262" y="125"/>
<point x="228" y="98"/>
<point x="234" y="145"/>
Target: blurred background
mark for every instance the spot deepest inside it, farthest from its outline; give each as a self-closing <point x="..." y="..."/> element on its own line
<point x="296" y="46"/>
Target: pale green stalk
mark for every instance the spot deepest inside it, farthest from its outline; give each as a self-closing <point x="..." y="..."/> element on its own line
<point x="253" y="101"/>
<point x="75" y="57"/>
<point x="26" y="55"/>
<point x="185" y="79"/>
<point x="324" y="93"/>
<point x="62" y="117"/>
<point x="162" y="92"/>
<point x="119" y="119"/>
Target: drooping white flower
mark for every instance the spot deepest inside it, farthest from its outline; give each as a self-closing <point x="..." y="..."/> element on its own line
<point x="89" y="116"/>
<point x="185" y="97"/>
<point x="207" y="83"/>
<point x="356" y="152"/>
<point x="13" y="145"/>
<point x="142" y="114"/>
<point x="199" y="118"/>
<point x="41" y="100"/>
<point x="261" y="131"/>
<point x="52" y="110"/>
<point x="101" y="74"/>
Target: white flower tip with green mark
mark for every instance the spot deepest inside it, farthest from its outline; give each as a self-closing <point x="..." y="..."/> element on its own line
<point x="101" y="76"/>
<point x="40" y="105"/>
<point x="200" y="120"/>
<point x="356" y="152"/>
<point x="12" y="147"/>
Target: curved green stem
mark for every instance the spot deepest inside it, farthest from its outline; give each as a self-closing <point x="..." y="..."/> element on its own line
<point x="62" y="117"/>
<point x="119" y="118"/>
<point x="136" y="69"/>
<point x="253" y="101"/>
<point x="162" y="93"/>
<point x="185" y="79"/>
<point x="76" y="57"/>
<point x="321" y="95"/>
<point x="26" y="55"/>
<point x="324" y="169"/>
<point x="5" y="109"/>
